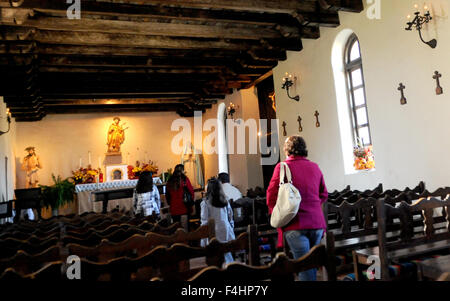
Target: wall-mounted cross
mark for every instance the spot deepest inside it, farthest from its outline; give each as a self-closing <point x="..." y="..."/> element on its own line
<point x="439" y="89"/>
<point x="403" y="99"/>
<point x="317" y="119"/>
<point x="284" y="128"/>
<point x="300" y="128"/>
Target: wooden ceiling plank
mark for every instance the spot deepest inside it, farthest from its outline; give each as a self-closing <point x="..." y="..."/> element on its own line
<point x="153" y="28"/>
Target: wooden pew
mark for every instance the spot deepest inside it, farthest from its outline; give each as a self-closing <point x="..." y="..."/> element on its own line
<point x="354" y="225"/>
<point x="281" y="269"/>
<point x="411" y="243"/>
<point x="138" y="245"/>
<point x="169" y="258"/>
<point x="25" y="263"/>
<point x="444" y="277"/>
<point x="50" y="272"/>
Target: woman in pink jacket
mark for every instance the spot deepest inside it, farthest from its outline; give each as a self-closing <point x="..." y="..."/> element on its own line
<point x="307" y="228"/>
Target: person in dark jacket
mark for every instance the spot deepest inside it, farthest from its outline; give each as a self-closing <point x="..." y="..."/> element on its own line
<point x="176" y="185"/>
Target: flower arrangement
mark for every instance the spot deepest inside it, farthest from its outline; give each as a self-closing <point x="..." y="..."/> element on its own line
<point x="84" y="175"/>
<point x="364" y="159"/>
<point x="135" y="171"/>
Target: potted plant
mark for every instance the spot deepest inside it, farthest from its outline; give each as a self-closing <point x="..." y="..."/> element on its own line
<point x="58" y="194"/>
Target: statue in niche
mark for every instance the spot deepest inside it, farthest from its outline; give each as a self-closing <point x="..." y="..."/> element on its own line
<point x="116" y="136"/>
<point x="117" y="174"/>
<point x="31" y="164"/>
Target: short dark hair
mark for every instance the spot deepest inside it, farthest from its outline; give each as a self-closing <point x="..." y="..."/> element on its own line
<point x="224" y="177"/>
<point x="295" y="146"/>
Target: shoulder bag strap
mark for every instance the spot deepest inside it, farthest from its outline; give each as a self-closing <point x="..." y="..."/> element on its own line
<point x="282" y="172"/>
<point x="288" y="174"/>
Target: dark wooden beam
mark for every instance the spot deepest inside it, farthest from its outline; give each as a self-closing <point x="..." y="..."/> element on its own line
<point x="242" y="32"/>
<point x="261" y="6"/>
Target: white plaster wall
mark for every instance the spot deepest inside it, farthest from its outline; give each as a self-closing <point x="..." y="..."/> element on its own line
<point x="61" y="140"/>
<point x="245" y="169"/>
<point x="410" y="142"/>
<point x="7" y="149"/>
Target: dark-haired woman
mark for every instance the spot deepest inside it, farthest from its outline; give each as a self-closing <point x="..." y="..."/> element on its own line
<point x="175" y="188"/>
<point x="146" y="196"/>
<point x="307" y="228"/>
<point x="216" y="206"/>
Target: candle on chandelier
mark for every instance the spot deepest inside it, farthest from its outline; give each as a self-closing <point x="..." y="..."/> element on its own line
<point x="80" y="162"/>
<point x="89" y="158"/>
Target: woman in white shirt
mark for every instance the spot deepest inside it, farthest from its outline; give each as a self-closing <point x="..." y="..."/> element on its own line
<point x="146" y="196"/>
<point x="216" y="206"/>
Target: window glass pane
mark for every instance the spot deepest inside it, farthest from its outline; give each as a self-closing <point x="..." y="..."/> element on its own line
<point x="357" y="78"/>
<point x="359" y="97"/>
<point x="361" y="116"/>
<point x="364" y="135"/>
<point x="354" y="52"/>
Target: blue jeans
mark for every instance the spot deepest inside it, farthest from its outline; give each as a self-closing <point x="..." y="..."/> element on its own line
<point x="300" y="242"/>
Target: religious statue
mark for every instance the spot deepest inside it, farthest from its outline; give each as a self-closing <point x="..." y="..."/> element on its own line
<point x="31" y="164"/>
<point x="116" y="136"/>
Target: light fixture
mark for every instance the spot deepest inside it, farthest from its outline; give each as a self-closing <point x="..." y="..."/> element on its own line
<point x="418" y="23"/>
<point x="288" y="83"/>
<point x="231" y="110"/>
<point x="8" y="119"/>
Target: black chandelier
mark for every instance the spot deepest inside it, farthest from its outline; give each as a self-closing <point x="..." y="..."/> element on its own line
<point x="288" y="83"/>
<point x="418" y="23"/>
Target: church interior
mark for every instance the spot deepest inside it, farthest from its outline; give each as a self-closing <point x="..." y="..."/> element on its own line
<point x="202" y="95"/>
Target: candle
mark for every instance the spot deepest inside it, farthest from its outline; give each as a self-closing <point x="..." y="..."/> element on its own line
<point x="89" y="158"/>
<point x="99" y="162"/>
<point x="80" y="162"/>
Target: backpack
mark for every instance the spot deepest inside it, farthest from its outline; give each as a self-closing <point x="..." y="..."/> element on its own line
<point x="288" y="201"/>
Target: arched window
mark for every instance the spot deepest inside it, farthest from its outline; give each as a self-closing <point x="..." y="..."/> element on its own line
<point x="357" y="92"/>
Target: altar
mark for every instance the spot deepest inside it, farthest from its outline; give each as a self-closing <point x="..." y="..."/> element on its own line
<point x="86" y="199"/>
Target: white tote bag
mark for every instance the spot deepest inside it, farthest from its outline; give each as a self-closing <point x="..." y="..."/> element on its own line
<point x="288" y="201"/>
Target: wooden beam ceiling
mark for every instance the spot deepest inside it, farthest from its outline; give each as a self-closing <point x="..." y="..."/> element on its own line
<point x="147" y="55"/>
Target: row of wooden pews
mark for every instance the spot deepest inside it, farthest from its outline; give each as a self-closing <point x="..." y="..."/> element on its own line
<point x="119" y="246"/>
<point x="355" y="229"/>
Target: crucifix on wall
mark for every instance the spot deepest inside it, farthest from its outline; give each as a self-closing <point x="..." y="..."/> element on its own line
<point x="439" y="89"/>
<point x="284" y="128"/>
<point x="300" y="128"/>
<point x="401" y="88"/>
<point x="317" y="119"/>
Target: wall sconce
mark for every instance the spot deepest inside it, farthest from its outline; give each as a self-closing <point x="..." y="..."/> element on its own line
<point x="287" y="83"/>
<point x="418" y="23"/>
<point x="8" y="119"/>
<point x="231" y="109"/>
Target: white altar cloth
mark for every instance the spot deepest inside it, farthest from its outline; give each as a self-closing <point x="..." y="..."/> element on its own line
<point x="86" y="203"/>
